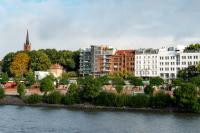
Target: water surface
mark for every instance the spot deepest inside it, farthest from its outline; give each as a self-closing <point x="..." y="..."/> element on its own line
<point x="14" y="119"/>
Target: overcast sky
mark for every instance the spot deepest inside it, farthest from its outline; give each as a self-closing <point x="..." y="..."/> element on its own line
<point x="71" y="24"/>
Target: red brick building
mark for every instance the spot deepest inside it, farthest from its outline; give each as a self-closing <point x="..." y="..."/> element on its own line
<point x="123" y="61"/>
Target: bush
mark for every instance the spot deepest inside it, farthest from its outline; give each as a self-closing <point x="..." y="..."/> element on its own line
<point x="21" y="89"/>
<point x="148" y="90"/>
<point x="72" y="96"/>
<point x="139" y="101"/>
<point x="112" y="99"/>
<point x="46" y="84"/>
<point x="122" y="100"/>
<point x="54" y="97"/>
<point x="33" y="99"/>
<point x="2" y="92"/>
<point x="106" y="99"/>
<point x="160" y="100"/>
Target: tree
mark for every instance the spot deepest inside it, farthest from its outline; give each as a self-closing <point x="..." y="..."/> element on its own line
<point x="116" y="80"/>
<point x="193" y="47"/>
<point x="4" y="77"/>
<point x="135" y="81"/>
<point x="19" y="65"/>
<point x="91" y="87"/>
<point x="156" y="81"/>
<point x="39" y="61"/>
<point x="2" y="92"/>
<point x="30" y="78"/>
<point x="72" y="95"/>
<point x="119" y="88"/>
<point x="187" y="73"/>
<point x="6" y="62"/>
<point x="186" y="97"/>
<point x="149" y="90"/>
<point x="21" y="89"/>
<point x="46" y="84"/>
<point x="64" y="80"/>
<point x="139" y="101"/>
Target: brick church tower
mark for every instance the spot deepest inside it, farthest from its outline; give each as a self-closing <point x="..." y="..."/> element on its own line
<point x="27" y="44"/>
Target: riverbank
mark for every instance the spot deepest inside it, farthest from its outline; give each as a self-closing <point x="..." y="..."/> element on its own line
<point x="15" y="100"/>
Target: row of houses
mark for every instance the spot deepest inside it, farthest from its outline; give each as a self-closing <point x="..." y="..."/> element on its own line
<point x="164" y="62"/>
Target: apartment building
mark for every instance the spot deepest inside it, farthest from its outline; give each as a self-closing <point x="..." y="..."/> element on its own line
<point x="123" y="61"/>
<point x="96" y="60"/>
<point x="165" y="62"/>
<point x="146" y="62"/>
<point x="101" y="60"/>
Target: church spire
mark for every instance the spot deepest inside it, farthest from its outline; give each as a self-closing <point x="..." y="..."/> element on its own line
<point x="27" y="44"/>
<point x="27" y="38"/>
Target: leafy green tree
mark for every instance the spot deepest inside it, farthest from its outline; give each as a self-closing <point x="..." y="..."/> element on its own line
<point x="91" y="87"/>
<point x="104" y="79"/>
<point x="46" y="84"/>
<point x="6" y="62"/>
<point x="119" y="88"/>
<point x="188" y="73"/>
<point x="196" y="81"/>
<point x="148" y="90"/>
<point x="177" y="82"/>
<point x="136" y="81"/>
<point x="193" y="47"/>
<point x="64" y="80"/>
<point x="186" y="97"/>
<point x="72" y="95"/>
<point x="2" y="92"/>
<point x="30" y="78"/>
<point x="21" y="89"/>
<point x="156" y="81"/>
<point x="116" y="80"/>
<point x="39" y="61"/>
<point x="4" y="77"/>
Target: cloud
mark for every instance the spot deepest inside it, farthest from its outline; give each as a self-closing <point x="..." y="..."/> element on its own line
<point x="73" y="24"/>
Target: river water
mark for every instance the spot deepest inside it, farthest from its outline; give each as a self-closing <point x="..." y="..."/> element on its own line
<point x="17" y="119"/>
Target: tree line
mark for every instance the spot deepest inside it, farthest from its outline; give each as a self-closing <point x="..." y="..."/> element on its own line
<point x="20" y="63"/>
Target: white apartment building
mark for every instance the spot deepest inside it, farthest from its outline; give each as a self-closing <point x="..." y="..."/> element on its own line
<point x="146" y="62"/>
<point x="164" y="62"/>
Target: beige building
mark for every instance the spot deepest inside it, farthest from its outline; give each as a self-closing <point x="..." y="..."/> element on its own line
<point x="57" y="70"/>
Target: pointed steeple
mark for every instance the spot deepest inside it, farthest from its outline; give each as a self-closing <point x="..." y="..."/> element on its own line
<point x="27" y="38"/>
<point x="27" y="44"/>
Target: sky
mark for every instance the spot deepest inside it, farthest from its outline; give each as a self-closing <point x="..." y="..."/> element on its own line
<point x="74" y="24"/>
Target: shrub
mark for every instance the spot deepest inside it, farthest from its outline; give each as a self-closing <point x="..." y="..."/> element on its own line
<point x="122" y="100"/>
<point x="54" y="97"/>
<point x="2" y="92"/>
<point x="21" y="89"/>
<point x="149" y="90"/>
<point x="119" y="88"/>
<point x="139" y="101"/>
<point x="72" y="96"/>
<point x="106" y="99"/>
<point x="160" y="100"/>
<point x="33" y="99"/>
<point x="46" y="84"/>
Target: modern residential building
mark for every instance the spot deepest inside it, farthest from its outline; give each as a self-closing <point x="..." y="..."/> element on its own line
<point x="101" y="60"/>
<point x="96" y="60"/>
<point x="165" y="62"/>
<point x="146" y="62"/>
<point x="123" y="61"/>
